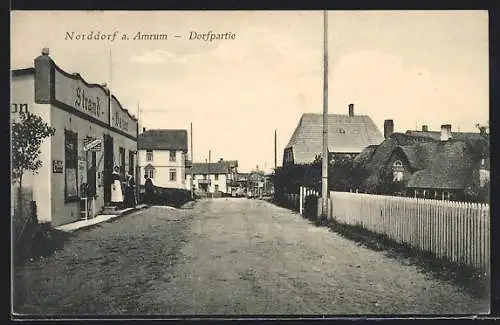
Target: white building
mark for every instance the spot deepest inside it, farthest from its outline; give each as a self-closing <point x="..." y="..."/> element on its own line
<point x="162" y="157"/>
<point x="212" y="177"/>
<point x="80" y="113"/>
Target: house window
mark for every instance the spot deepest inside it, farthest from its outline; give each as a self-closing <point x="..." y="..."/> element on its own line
<point x="216" y="177"/>
<point x="172" y="156"/>
<point x="149" y="155"/>
<point x="204" y="176"/>
<point x="71" y="166"/>
<point x="149" y="172"/>
<point x="216" y="187"/>
<point x="397" y="171"/>
<point x="173" y="175"/>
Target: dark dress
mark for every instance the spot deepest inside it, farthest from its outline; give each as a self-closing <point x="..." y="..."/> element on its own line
<point x="130" y="201"/>
<point x="148" y="193"/>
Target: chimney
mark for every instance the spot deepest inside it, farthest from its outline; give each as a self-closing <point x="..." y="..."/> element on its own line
<point x="388" y="128"/>
<point x="425" y="128"/>
<point x="351" y="110"/>
<point x="445" y="132"/>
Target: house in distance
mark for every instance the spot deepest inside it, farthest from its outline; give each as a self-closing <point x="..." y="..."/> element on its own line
<point x="212" y="178"/>
<point x="348" y="134"/>
<point x="162" y="157"/>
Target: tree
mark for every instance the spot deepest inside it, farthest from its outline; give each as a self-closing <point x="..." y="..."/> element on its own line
<point x="27" y="136"/>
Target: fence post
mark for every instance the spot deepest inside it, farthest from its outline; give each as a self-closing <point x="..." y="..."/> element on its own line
<point x="301" y="192"/>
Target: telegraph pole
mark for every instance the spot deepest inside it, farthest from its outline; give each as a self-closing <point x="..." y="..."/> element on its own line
<point x="110" y="81"/>
<point x="209" y="180"/>
<point x="275" y="150"/>
<point x="324" y="170"/>
<point x="191" y="131"/>
<point x="192" y="161"/>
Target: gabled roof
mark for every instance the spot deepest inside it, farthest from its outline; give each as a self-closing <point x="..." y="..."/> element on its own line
<point x="346" y="134"/>
<point x="220" y="167"/>
<point x="163" y="139"/>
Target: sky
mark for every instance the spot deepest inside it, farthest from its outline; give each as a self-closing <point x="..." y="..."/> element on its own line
<point x="415" y="67"/>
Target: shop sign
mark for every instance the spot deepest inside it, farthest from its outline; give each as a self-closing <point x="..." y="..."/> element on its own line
<point x="57" y="166"/>
<point x="91" y="100"/>
<point x="91" y="144"/>
<point x="120" y="119"/>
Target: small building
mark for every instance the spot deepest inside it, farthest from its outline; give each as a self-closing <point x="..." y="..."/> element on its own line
<point x="348" y="134"/>
<point x="215" y="178"/>
<point x="94" y="133"/>
<point x="162" y="157"/>
<point x="421" y="164"/>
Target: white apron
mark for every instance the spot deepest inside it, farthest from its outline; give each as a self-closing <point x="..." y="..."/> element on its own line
<point x="116" y="189"/>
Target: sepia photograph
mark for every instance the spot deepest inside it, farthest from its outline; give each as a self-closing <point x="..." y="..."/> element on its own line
<point x="250" y="163"/>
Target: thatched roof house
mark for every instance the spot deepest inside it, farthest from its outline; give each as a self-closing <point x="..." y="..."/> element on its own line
<point x="423" y="162"/>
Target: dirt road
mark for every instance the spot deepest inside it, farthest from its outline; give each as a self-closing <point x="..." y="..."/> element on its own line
<point x="227" y="257"/>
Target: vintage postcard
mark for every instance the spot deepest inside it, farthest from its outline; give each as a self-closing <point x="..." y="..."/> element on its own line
<point x="250" y="163"/>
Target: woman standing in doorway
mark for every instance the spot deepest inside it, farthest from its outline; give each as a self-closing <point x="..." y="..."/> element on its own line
<point x="116" y="188"/>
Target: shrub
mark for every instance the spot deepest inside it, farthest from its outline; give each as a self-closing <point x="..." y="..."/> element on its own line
<point x="311" y="206"/>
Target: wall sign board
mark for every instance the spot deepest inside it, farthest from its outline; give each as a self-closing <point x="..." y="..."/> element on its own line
<point x="91" y="100"/>
<point x="57" y="166"/>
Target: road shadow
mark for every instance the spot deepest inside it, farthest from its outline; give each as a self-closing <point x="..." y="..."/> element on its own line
<point x="471" y="280"/>
<point x="42" y="241"/>
<point x="468" y="278"/>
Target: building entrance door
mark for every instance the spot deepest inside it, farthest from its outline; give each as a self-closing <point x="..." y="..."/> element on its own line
<point x="108" y="167"/>
<point x="91" y="174"/>
<point x="122" y="162"/>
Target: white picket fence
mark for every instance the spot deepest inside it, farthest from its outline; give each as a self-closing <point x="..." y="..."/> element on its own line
<point x="456" y="231"/>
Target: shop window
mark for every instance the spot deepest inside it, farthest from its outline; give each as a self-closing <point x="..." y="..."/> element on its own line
<point x="149" y="155"/>
<point x="173" y="175"/>
<point x="71" y="166"/>
<point x="172" y="155"/>
<point x="216" y="187"/>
